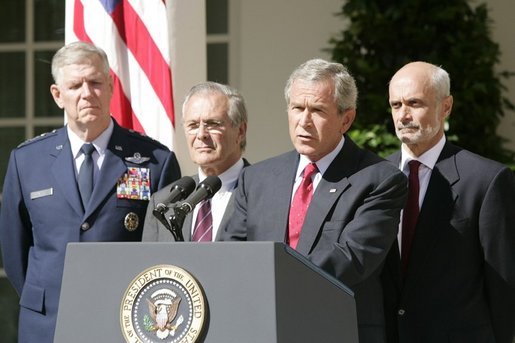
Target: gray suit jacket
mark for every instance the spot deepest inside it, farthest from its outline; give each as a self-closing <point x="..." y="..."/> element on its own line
<point x="460" y="282"/>
<point x="155" y="231"/>
<point x="350" y="224"/>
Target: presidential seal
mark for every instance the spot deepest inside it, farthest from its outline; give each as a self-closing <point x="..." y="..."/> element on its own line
<point x="163" y="304"/>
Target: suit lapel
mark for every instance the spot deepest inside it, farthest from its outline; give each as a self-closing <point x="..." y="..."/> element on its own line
<point x="186" y="227"/>
<point x="229" y="209"/>
<point x="437" y="207"/>
<point x="392" y="262"/>
<point x="395" y="158"/>
<point x="280" y="190"/>
<point x="334" y="182"/>
<point x="226" y="217"/>
<point x="63" y="170"/>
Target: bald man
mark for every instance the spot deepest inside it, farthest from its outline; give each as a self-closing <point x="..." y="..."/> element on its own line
<point x="451" y="278"/>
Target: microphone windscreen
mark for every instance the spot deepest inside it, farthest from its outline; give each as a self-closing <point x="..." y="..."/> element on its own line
<point x="212" y="183"/>
<point x="186" y="184"/>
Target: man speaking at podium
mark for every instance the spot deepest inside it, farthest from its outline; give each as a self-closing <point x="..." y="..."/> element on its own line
<point x="333" y="202"/>
<point x="215" y="125"/>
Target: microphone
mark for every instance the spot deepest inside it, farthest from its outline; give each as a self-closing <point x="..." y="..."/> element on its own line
<point x="180" y="189"/>
<point x="205" y="190"/>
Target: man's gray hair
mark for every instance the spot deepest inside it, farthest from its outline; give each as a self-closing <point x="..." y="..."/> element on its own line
<point x="441" y="82"/>
<point x="316" y="70"/>
<point x="77" y="52"/>
<point x="237" y="111"/>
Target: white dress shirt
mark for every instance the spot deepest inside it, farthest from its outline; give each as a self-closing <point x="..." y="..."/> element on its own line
<point x="98" y="155"/>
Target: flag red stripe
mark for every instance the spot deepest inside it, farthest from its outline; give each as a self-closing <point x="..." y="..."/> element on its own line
<point x="139" y="41"/>
<point x="120" y="106"/>
<point x="142" y="84"/>
<point x="78" y="22"/>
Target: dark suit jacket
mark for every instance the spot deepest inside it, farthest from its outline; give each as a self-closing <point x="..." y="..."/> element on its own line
<point x="35" y="227"/>
<point x="460" y="282"/>
<point x="350" y="224"/>
<point x="155" y="231"/>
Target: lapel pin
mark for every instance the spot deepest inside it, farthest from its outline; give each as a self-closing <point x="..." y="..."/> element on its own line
<point x="118" y="147"/>
<point x="59" y="147"/>
<point x="332" y="190"/>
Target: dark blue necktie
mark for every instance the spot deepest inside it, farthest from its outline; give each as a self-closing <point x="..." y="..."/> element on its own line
<point x="85" y="178"/>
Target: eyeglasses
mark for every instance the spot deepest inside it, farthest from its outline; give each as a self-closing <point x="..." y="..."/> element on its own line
<point x="211" y="126"/>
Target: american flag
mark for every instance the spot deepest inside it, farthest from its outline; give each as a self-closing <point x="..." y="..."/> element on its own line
<point x="134" y="34"/>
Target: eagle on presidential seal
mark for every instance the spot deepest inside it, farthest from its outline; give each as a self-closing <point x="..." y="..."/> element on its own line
<point x="163" y="307"/>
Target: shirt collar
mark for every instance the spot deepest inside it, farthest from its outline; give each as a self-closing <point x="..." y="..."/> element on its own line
<point x="228" y="177"/>
<point x="428" y="158"/>
<point x="100" y="142"/>
<point x="323" y="163"/>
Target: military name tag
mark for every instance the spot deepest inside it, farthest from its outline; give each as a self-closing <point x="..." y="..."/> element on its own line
<point x="41" y="193"/>
<point x="135" y="184"/>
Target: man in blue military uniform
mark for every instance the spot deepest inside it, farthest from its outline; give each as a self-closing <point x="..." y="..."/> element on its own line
<point x="67" y="186"/>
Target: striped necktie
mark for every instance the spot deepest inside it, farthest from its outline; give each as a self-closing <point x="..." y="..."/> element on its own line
<point x="203" y="231"/>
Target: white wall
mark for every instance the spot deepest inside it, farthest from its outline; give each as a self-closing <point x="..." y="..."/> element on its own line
<point x="274" y="37"/>
<point x="188" y="38"/>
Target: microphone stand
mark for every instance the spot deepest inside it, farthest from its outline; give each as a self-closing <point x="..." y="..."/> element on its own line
<point x="175" y="224"/>
<point x="176" y="221"/>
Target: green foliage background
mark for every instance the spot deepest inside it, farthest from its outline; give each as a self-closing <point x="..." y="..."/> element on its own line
<point x="382" y="35"/>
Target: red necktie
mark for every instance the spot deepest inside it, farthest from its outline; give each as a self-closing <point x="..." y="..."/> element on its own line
<point x="300" y="204"/>
<point x="204" y="225"/>
<point x="410" y="214"/>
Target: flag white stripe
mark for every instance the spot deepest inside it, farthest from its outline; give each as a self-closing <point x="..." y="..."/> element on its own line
<point x="153" y="15"/>
<point x="146" y="106"/>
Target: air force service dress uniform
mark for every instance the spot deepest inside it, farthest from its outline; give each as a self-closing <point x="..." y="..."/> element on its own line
<point x="42" y="211"/>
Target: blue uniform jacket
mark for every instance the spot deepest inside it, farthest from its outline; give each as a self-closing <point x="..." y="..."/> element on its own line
<point x="41" y="212"/>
